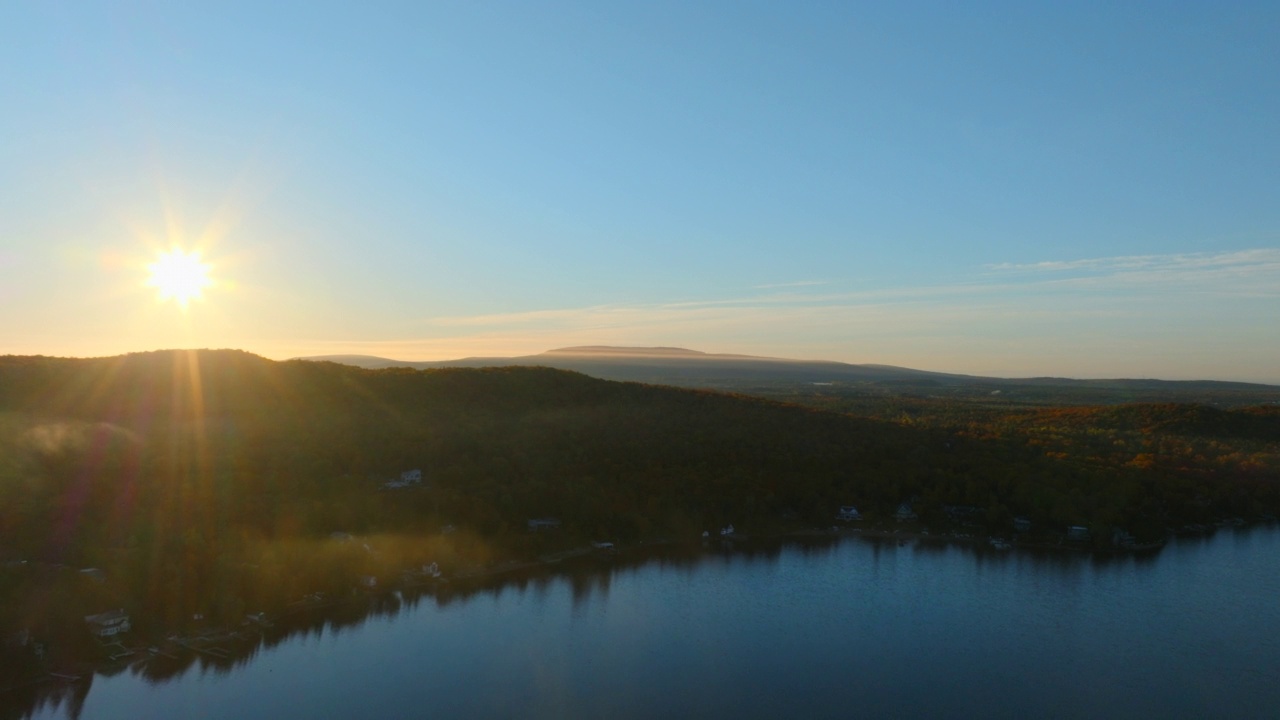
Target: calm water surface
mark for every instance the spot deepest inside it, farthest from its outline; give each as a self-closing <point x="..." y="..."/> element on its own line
<point x="849" y="629"/>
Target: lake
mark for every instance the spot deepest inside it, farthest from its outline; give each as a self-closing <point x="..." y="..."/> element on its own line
<point x="818" y="630"/>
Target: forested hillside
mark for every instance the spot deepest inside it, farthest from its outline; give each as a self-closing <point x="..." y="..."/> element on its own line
<point x="213" y="483"/>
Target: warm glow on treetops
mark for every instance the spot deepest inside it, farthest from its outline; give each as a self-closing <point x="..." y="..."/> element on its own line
<point x="179" y="276"/>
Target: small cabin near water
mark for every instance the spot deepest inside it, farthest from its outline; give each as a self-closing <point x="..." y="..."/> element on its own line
<point x="407" y="478"/>
<point x="108" y="624"/>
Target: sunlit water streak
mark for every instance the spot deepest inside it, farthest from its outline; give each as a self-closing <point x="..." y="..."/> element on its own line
<point x="854" y="629"/>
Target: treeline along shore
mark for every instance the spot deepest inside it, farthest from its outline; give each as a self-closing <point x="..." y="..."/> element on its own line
<point x="191" y="490"/>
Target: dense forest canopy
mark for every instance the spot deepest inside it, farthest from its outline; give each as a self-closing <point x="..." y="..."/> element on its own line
<point x="232" y="438"/>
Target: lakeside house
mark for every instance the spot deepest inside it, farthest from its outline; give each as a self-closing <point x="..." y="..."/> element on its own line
<point x="540" y="524"/>
<point x="1021" y="524"/>
<point x="904" y="513"/>
<point x="108" y="624"/>
<point x="1077" y="533"/>
<point x="848" y="512"/>
<point x="1123" y="538"/>
<point x="407" y="478"/>
<point x="94" y="574"/>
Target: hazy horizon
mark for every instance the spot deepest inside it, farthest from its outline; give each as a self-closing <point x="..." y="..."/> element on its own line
<point x="692" y="352"/>
<point x="992" y="189"/>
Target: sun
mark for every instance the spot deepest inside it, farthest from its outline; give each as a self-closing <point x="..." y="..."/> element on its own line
<point x="179" y="276"/>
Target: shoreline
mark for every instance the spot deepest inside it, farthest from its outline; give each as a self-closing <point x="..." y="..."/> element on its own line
<point x="232" y="644"/>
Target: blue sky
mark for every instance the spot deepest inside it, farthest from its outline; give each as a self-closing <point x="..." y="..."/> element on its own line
<point x="999" y="188"/>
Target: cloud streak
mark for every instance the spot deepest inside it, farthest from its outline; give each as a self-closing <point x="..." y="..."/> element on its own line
<point x="1250" y="273"/>
<point x="799" y="283"/>
<point x="1253" y="260"/>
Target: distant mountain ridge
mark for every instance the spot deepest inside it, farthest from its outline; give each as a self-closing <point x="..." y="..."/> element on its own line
<point x="670" y="366"/>
<point x="682" y="366"/>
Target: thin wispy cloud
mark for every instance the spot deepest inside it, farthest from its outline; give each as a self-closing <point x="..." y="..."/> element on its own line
<point x="1257" y="259"/>
<point x="1249" y="273"/>
<point x="1253" y="273"/>
<point x="799" y="283"/>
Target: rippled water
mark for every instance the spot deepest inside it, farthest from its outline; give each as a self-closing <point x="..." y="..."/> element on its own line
<point x="850" y="629"/>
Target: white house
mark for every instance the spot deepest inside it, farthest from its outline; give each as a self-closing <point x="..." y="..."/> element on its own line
<point x="94" y="574"/>
<point x="407" y="478"/>
<point x="905" y="512"/>
<point x="848" y="512"/>
<point x="108" y="624"/>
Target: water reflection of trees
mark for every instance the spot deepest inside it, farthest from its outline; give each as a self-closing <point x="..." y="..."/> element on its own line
<point x="587" y="579"/>
<point x="222" y="651"/>
<point x="47" y="696"/>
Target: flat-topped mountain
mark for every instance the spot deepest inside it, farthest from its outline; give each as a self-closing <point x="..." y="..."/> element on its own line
<point x="670" y="366"/>
<point x="611" y="350"/>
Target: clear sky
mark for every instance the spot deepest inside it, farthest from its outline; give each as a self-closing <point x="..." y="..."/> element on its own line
<point x="1022" y="188"/>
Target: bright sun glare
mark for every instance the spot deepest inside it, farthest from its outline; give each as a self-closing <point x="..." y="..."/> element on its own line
<point x="179" y="276"/>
